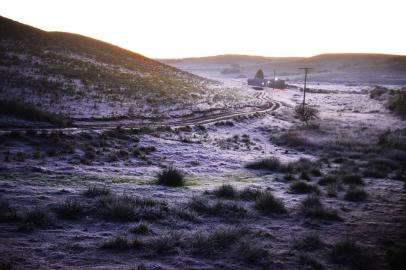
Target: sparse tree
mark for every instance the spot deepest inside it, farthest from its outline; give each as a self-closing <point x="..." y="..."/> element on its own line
<point x="306" y="113"/>
<point x="259" y="74"/>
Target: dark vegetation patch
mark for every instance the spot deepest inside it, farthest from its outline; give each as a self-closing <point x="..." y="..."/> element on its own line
<point x="356" y="194"/>
<point x="70" y="209"/>
<point x="312" y="207"/>
<point x="34" y="218"/>
<point x="7" y="212"/>
<point x="171" y="177"/>
<point x="29" y="112"/>
<point x="96" y="191"/>
<point x="218" y="208"/>
<point x="395" y="100"/>
<point x="301" y="187"/>
<point x="226" y="191"/>
<point x="309" y="242"/>
<point x="352" y="179"/>
<point x="350" y="254"/>
<point x="269" y="164"/>
<point x="266" y="202"/>
<point x="126" y="208"/>
<point x="141" y="228"/>
<point x="308" y="262"/>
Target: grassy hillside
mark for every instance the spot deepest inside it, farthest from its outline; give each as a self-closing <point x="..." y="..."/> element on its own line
<point x="84" y="77"/>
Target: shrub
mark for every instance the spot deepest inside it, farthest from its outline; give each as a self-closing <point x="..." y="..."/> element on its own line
<point x="328" y="180"/>
<point x="301" y="187"/>
<point x="171" y="177"/>
<point x="121" y="243"/>
<point x="249" y="194"/>
<point x="7" y="213"/>
<point x="95" y="191"/>
<point x="125" y="208"/>
<point x="210" y="243"/>
<point x="348" y="253"/>
<point x="164" y="244"/>
<point x="252" y="253"/>
<point x="306" y="113"/>
<point x="31" y="113"/>
<point x="270" y="164"/>
<point x="397" y="103"/>
<point x="141" y="228"/>
<point x="352" y="179"/>
<point x="35" y="217"/>
<point x="219" y="208"/>
<point x="311" y="263"/>
<point x="396" y="257"/>
<point x="312" y="207"/>
<point x="226" y="191"/>
<point x="309" y="242"/>
<point x="70" y="209"/>
<point x="355" y="194"/>
<point x="268" y="203"/>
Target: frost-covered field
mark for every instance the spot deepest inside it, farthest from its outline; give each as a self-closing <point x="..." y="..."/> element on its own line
<point x="88" y="198"/>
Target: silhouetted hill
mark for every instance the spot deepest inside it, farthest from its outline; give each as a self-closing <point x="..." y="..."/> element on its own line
<point x="60" y="70"/>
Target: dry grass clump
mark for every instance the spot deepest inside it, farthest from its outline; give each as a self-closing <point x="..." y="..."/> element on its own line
<point x="171" y="177"/>
<point x="312" y="207"/>
<point x="350" y="254"/>
<point x="266" y="202"/>
<point x="217" y="208"/>
<point x="301" y="187"/>
<point x="69" y="209"/>
<point x="226" y="191"/>
<point x="96" y="191"/>
<point x="269" y="164"/>
<point x="356" y="194"/>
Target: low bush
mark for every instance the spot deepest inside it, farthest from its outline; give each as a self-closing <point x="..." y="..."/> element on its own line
<point x="355" y="194"/>
<point x="141" y="228"/>
<point x="249" y="194"/>
<point x="309" y="242"/>
<point x="226" y="191"/>
<point x="69" y="209"/>
<point x="95" y="191"/>
<point x="29" y="112"/>
<point x="350" y="254"/>
<point x="7" y="213"/>
<point x="35" y="217"/>
<point x="306" y="113"/>
<point x="301" y="187"/>
<point x="266" y="202"/>
<point x="352" y="179"/>
<point x="121" y="243"/>
<point x="269" y="164"/>
<point x="209" y="243"/>
<point x="312" y="207"/>
<point x="218" y="208"/>
<point x="171" y="177"/>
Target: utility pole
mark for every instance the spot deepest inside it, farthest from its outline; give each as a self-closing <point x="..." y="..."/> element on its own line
<point x="306" y="70"/>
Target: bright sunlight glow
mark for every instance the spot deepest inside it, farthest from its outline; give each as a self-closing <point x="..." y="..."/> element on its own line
<point x="185" y="28"/>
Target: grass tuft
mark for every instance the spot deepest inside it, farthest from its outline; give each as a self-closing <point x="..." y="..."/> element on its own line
<point x="312" y="207"/>
<point x="356" y="194"/>
<point x="226" y="191"/>
<point x="266" y="202"/>
<point x="69" y="209"/>
<point x="171" y="177"/>
<point x="96" y="191"/>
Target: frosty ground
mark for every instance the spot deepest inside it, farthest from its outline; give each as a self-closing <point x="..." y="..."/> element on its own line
<point x="330" y="196"/>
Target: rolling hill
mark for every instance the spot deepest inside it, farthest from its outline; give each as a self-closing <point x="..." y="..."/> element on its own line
<point x="338" y="68"/>
<point x="86" y="78"/>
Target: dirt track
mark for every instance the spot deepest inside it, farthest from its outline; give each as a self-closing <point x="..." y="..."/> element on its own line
<point x="270" y="106"/>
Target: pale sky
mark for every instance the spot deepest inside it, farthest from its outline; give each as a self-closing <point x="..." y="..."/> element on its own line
<point x="186" y="28"/>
